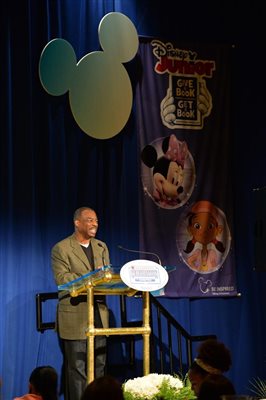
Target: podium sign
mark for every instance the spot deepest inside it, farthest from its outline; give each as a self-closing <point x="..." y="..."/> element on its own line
<point x="144" y="275"/>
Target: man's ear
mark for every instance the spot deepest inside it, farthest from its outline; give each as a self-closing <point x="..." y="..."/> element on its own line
<point x="31" y="388"/>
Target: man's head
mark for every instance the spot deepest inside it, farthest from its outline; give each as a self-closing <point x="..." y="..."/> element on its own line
<point x="102" y="388"/>
<point x="86" y="223"/>
<point x="43" y="381"/>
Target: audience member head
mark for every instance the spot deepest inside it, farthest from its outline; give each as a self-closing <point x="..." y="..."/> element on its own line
<point x="43" y="381"/>
<point x="103" y="388"/>
<point x="213" y="358"/>
<point x="215" y="386"/>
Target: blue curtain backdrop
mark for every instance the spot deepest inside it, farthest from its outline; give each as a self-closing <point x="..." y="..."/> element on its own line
<point x="49" y="167"/>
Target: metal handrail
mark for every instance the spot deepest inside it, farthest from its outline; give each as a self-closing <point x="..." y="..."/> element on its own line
<point x="173" y="345"/>
<point x="179" y="354"/>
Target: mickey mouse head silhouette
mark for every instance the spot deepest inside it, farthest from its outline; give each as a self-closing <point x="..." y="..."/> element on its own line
<point x="204" y="285"/>
<point x="100" y="91"/>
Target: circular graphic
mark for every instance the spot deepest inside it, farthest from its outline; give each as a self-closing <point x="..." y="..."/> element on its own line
<point x="168" y="172"/>
<point x="144" y="275"/>
<point x="203" y="237"/>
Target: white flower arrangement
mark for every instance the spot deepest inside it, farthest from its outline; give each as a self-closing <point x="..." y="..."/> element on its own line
<point x="157" y="387"/>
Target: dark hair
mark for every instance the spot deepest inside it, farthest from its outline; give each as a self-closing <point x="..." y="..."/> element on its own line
<point x="215" y="354"/>
<point x="215" y="386"/>
<point x="79" y="211"/>
<point x="102" y="388"/>
<point x="44" y="381"/>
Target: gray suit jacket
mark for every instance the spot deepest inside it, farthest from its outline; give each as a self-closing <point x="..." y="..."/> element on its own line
<point x="70" y="262"/>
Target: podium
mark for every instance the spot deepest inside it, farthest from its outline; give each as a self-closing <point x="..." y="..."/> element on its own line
<point x="107" y="281"/>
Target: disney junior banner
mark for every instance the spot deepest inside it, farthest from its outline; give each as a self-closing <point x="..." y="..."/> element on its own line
<point x="186" y="216"/>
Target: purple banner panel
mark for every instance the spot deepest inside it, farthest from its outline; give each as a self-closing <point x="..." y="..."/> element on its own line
<point x="186" y="213"/>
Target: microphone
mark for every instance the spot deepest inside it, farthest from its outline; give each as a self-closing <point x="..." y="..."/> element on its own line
<point x="140" y="251"/>
<point x="103" y="259"/>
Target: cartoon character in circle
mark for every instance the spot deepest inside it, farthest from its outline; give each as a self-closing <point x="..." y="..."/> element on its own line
<point x="204" y="249"/>
<point x="168" y="170"/>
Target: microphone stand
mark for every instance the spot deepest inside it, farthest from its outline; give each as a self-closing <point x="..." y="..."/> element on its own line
<point x="140" y="252"/>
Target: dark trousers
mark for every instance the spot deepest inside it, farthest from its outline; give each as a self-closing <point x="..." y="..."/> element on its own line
<point x="75" y="359"/>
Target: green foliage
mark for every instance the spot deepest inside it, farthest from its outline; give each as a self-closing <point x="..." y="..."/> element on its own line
<point x="168" y="393"/>
<point x="130" y="396"/>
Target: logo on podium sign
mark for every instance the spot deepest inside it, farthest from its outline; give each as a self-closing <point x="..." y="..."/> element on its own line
<point x="144" y="275"/>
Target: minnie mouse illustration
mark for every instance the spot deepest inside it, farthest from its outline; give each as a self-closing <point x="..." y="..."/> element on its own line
<point x="204" y="248"/>
<point x="167" y="170"/>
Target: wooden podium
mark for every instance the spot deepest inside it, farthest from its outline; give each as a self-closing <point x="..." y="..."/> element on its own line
<point x="107" y="281"/>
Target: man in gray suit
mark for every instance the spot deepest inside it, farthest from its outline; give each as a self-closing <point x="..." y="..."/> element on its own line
<point x="73" y="257"/>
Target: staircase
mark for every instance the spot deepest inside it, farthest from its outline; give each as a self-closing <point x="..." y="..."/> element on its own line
<point x="170" y="344"/>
